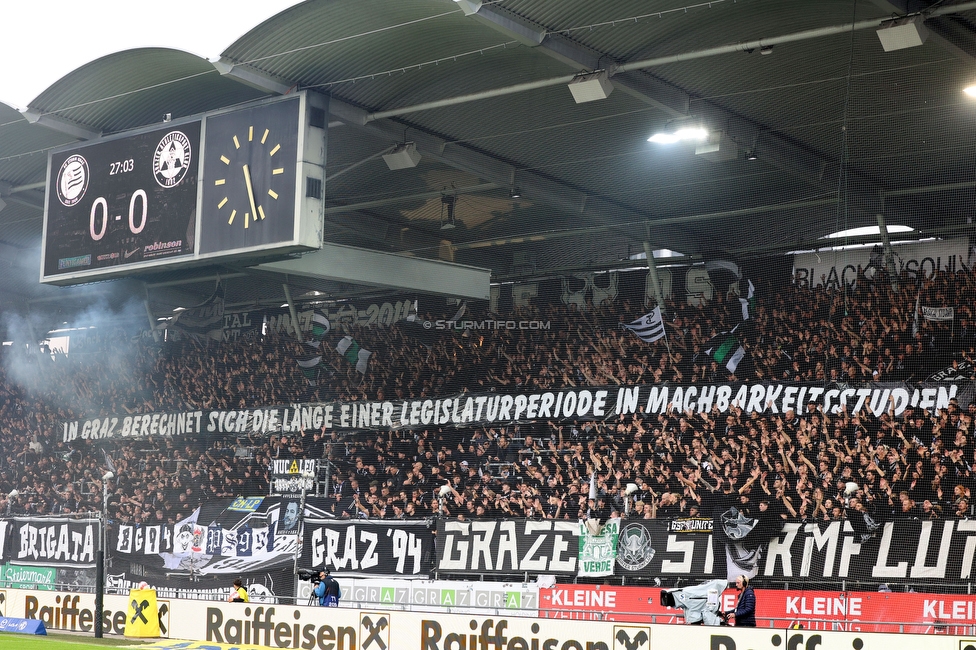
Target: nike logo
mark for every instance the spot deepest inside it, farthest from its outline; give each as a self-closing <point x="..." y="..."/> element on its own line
<point x="129" y="254"/>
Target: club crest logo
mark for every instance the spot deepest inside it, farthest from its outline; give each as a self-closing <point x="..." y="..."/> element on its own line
<point x="73" y="180"/>
<point x="634" y="550"/>
<point x="172" y="159"/>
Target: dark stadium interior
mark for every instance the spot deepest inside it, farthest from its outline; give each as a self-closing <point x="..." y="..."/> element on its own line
<point x="828" y="132"/>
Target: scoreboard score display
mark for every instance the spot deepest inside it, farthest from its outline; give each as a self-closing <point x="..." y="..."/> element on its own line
<point x="158" y="198"/>
<point x="123" y="201"/>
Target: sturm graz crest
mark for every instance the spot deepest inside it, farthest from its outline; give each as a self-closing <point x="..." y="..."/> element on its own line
<point x="72" y="180"/>
<point x="634" y="550"/>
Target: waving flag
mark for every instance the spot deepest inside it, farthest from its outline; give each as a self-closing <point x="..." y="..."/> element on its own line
<point x="649" y="327"/>
<point x="726" y="350"/>
<point x="353" y="353"/>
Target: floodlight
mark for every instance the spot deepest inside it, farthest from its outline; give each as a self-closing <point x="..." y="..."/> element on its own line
<point x="903" y="33"/>
<point x="590" y="86"/>
<point x="679" y="131"/>
<point x="717" y="147"/>
<point x="403" y="156"/>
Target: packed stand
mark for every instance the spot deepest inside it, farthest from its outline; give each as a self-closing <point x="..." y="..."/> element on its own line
<point x="796" y="465"/>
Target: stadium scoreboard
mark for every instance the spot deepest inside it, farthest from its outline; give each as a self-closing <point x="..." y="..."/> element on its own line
<point x="244" y="182"/>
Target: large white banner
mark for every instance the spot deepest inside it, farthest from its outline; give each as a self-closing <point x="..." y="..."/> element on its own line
<point x="472" y="409"/>
<point x="834" y="268"/>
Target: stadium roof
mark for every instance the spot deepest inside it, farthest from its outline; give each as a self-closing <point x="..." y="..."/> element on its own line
<point x="840" y="130"/>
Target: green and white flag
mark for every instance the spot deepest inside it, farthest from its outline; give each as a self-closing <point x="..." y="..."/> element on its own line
<point x="726" y="350"/>
<point x="598" y="551"/>
<point x="310" y="362"/>
<point x="320" y="327"/>
<point x="353" y="353"/>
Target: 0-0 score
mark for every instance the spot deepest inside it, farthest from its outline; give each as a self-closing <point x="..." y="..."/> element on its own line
<point x="100" y="202"/>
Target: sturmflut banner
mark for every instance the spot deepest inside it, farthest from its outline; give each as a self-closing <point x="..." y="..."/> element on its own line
<point x="492" y="409"/>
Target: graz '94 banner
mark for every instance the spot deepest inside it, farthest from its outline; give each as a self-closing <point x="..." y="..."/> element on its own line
<point x="363" y="547"/>
<point x="491" y="409"/>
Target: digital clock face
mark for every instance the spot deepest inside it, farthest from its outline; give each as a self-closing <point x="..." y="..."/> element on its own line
<point x="121" y="202"/>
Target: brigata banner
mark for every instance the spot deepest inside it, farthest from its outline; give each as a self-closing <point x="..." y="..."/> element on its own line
<point x="939" y="550"/>
<point x="369" y="548"/>
<point x="49" y="541"/>
<point x="472" y="409"/>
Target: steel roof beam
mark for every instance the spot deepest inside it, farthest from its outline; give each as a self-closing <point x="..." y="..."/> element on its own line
<point x="373" y="268"/>
<point x="61" y="125"/>
<point x="252" y="76"/>
<point x="534" y="186"/>
<point x="632" y="79"/>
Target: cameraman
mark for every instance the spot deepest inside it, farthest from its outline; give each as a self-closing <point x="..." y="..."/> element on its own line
<point x="327" y="590"/>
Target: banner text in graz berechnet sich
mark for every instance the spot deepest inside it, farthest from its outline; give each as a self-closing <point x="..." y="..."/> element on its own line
<point x="491" y="409"/>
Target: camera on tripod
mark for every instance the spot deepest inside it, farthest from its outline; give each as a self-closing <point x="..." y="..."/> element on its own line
<point x="311" y="575"/>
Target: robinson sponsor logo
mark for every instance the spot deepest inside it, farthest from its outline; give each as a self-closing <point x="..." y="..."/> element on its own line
<point x="162" y="248"/>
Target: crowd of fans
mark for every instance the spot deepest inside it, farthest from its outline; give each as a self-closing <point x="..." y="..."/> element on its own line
<point x="794" y="465"/>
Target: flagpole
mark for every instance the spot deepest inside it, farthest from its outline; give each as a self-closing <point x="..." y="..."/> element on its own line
<point x="667" y="344"/>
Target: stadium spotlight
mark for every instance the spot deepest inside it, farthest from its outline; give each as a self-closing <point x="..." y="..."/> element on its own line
<point x="680" y="130"/>
<point x="591" y="86"/>
<point x="903" y="33"/>
<point x="403" y="156"/>
<point x="969" y="90"/>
